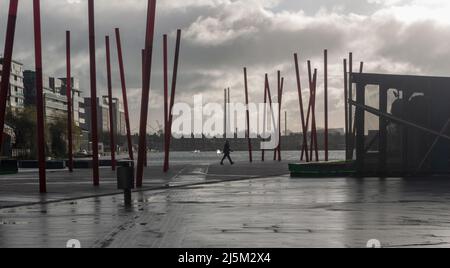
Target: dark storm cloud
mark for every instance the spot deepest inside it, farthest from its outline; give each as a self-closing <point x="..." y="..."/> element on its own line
<point x="222" y="36"/>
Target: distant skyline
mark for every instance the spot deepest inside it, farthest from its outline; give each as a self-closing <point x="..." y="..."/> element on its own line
<point x="220" y="37"/>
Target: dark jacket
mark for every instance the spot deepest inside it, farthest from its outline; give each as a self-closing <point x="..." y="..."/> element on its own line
<point x="226" y="148"/>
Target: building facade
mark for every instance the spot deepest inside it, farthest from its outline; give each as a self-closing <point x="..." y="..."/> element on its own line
<point x="55" y="98"/>
<point x="16" y="98"/>
<point x="103" y="116"/>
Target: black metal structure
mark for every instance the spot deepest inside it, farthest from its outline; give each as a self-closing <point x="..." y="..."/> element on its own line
<point x="402" y="124"/>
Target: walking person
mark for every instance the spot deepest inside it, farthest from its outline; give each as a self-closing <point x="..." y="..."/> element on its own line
<point x="226" y="153"/>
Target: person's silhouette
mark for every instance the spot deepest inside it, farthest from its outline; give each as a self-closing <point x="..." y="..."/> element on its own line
<point x="226" y="153"/>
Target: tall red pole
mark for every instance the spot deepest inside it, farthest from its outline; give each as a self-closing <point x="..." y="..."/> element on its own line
<point x="347" y="131"/>
<point x="39" y="96"/>
<point x="279" y="119"/>
<point x="69" y="101"/>
<point x="124" y="93"/>
<point x="308" y="117"/>
<point x="326" y="104"/>
<point x="110" y="103"/>
<point x="166" y="106"/>
<point x="143" y="75"/>
<point x="151" y="13"/>
<point x="93" y="74"/>
<point x="314" y="127"/>
<point x="173" y="91"/>
<point x="266" y="85"/>
<point x="277" y="153"/>
<point x="350" y="113"/>
<point x="302" y="111"/>
<point x="248" y="134"/>
<point x="7" y="61"/>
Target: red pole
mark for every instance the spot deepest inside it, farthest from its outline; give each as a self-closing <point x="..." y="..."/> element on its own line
<point x="266" y="85"/>
<point x="174" y="86"/>
<point x="316" y="146"/>
<point x="151" y="12"/>
<point x="166" y="106"/>
<point x="143" y="75"/>
<point x="275" y="152"/>
<point x="93" y="74"/>
<point x="250" y="153"/>
<point x="124" y="93"/>
<point x="279" y="117"/>
<point x="302" y="111"/>
<point x="347" y="132"/>
<point x="110" y="102"/>
<point x="69" y="101"/>
<point x="7" y="60"/>
<point x="310" y="79"/>
<point x="39" y="96"/>
<point x="326" y="103"/>
<point x="350" y="114"/>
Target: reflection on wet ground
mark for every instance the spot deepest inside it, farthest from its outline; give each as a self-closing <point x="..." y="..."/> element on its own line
<point x="269" y="212"/>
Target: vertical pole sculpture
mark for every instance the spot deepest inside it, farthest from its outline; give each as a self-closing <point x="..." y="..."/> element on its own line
<point x="229" y="112"/>
<point x="316" y="146"/>
<point x="166" y="105"/>
<point x="350" y="113"/>
<point x="302" y="111"/>
<point x="151" y="12"/>
<point x="93" y="74"/>
<point x="225" y="102"/>
<point x="7" y="61"/>
<point x="110" y="103"/>
<point x="347" y="131"/>
<point x="173" y="93"/>
<point x="248" y="134"/>
<point x="39" y="96"/>
<point x="277" y="153"/>
<point x="279" y="117"/>
<point x="266" y="85"/>
<point x="124" y="93"/>
<point x="326" y="103"/>
<point x="143" y="75"/>
<point x="69" y="101"/>
<point x="308" y="117"/>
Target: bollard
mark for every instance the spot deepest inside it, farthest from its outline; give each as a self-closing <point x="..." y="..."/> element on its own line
<point x="125" y="180"/>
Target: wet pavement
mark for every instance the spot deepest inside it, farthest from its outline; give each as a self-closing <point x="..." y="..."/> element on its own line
<point x="275" y="211"/>
<point x="23" y="188"/>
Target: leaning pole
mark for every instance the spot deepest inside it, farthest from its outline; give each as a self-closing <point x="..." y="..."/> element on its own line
<point x="151" y="12"/>
<point x="124" y="93"/>
<point x="7" y="60"/>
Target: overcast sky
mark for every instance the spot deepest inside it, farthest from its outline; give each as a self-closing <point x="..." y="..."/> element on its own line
<point x="220" y="37"/>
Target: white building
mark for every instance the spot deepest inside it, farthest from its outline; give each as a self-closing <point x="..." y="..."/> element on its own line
<point x="16" y="98"/>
